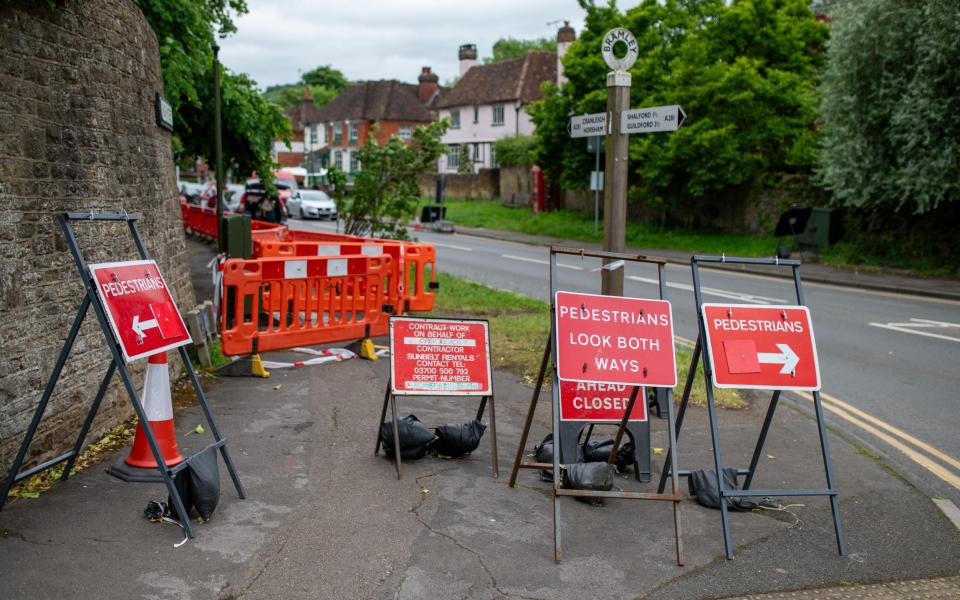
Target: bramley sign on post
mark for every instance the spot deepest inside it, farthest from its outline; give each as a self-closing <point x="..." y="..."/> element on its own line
<point x="612" y="339"/>
<point x="652" y="120"/>
<point x="440" y="357"/>
<point x="588" y="125"/>
<point x="142" y="314"/>
<point x="761" y="347"/>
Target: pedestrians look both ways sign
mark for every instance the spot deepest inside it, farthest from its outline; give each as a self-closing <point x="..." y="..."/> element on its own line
<point x="764" y="347"/>
<point x="612" y="339"/>
<point x="141" y="311"/>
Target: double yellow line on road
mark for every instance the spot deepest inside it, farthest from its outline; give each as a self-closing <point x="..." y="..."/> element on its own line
<point x="916" y="450"/>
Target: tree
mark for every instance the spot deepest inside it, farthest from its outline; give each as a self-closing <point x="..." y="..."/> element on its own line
<point x="891" y="106"/>
<point x="509" y="48"/>
<point x="186" y="31"/>
<point x="324" y="83"/>
<point x="744" y="72"/>
<point x="465" y="164"/>
<point x="515" y="151"/>
<point x="385" y="192"/>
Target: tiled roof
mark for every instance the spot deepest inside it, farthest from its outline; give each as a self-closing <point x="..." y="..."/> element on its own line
<point x="517" y="79"/>
<point x="376" y="101"/>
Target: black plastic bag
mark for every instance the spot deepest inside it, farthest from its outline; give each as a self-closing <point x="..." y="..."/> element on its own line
<point x="599" y="451"/>
<point x="702" y="484"/>
<point x="543" y="452"/>
<point x="415" y="438"/>
<point x="596" y="476"/>
<point x="198" y="485"/>
<point x="455" y="440"/>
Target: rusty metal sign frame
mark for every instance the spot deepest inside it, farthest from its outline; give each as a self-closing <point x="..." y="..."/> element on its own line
<point x="675" y="496"/>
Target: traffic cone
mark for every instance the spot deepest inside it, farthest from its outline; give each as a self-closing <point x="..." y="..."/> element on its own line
<point x="159" y="410"/>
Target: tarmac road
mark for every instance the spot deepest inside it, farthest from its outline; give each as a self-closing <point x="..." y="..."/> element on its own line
<point x="888" y="361"/>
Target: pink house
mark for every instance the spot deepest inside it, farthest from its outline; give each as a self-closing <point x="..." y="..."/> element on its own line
<point x="489" y="101"/>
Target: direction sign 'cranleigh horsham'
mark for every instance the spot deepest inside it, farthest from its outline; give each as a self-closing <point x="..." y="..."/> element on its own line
<point x="588" y="125"/>
<point x="652" y="120"/>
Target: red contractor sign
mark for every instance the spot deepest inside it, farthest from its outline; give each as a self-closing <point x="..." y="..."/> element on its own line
<point x="763" y="347"/>
<point x="142" y="314"/>
<point x="440" y="357"/>
<point x="611" y="339"/>
<point x="599" y="402"/>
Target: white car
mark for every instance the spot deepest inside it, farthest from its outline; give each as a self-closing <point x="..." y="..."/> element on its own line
<point x="312" y="204"/>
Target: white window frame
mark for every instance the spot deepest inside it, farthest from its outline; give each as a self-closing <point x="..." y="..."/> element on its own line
<point x="453" y="156"/>
<point x="454" y="119"/>
<point x="499" y="111"/>
<point x="354" y="162"/>
<point x="476" y="114"/>
<point x="353" y="132"/>
<point x="406" y="132"/>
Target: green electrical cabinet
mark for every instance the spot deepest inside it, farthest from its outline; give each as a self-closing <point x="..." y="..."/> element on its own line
<point x="820" y="232"/>
<point x="237" y="242"/>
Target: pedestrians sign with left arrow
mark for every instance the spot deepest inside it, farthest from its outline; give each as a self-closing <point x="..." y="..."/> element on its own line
<point x="139" y="307"/>
<point x="765" y="347"/>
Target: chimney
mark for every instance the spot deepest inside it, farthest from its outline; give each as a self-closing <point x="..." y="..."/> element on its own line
<point x="565" y="37"/>
<point x="429" y="85"/>
<point x="468" y="57"/>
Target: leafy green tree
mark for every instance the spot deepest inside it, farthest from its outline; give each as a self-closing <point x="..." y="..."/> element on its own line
<point x="744" y="72"/>
<point x="891" y="106"/>
<point x="324" y="83"/>
<point x="509" y="48"/>
<point x="325" y="76"/>
<point x="385" y="192"/>
<point x="515" y="151"/>
<point x="465" y="164"/>
<point x="186" y="31"/>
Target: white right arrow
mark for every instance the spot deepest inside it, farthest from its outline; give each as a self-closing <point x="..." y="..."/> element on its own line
<point x="786" y="357"/>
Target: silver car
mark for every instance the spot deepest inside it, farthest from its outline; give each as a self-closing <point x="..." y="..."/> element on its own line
<point x="312" y="204"/>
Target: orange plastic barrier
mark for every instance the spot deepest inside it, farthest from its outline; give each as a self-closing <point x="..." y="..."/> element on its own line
<point x="278" y="303"/>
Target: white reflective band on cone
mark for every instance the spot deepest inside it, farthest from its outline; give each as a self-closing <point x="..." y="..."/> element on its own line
<point x="156" y="393"/>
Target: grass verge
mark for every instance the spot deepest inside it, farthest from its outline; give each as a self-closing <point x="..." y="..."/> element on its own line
<point x="519" y="327"/>
<point x="578" y="225"/>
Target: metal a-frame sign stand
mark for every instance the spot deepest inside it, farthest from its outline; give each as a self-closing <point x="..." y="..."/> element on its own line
<point x="118" y="365"/>
<point x="551" y="351"/>
<point x="701" y="352"/>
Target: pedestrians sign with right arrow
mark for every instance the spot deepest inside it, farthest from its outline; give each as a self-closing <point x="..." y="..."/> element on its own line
<point x="764" y="347"/>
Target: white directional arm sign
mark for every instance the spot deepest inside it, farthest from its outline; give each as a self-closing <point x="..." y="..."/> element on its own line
<point x="652" y="120"/>
<point x="588" y="125"/>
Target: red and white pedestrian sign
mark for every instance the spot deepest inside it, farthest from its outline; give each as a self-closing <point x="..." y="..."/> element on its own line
<point x="763" y="347"/>
<point x="612" y="339"/>
<point x="599" y="402"/>
<point x="440" y="357"/>
<point x="141" y="311"/>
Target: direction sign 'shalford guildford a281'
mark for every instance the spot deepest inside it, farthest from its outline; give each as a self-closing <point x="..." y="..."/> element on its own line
<point x="652" y="120"/>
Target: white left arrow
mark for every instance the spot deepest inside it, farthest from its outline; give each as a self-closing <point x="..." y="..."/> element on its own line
<point x="140" y="326"/>
<point x="786" y="357"/>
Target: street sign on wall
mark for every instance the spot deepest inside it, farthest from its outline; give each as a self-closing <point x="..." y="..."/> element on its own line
<point x="763" y="347"/>
<point x="142" y="315"/>
<point x="588" y="125"/>
<point x="613" y="339"/>
<point x="440" y="357"/>
<point x="599" y="402"/>
<point x="652" y="120"/>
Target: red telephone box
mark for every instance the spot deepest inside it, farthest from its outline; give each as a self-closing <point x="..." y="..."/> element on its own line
<point x="538" y="190"/>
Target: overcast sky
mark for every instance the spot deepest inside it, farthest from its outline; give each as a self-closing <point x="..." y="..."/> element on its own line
<point x="382" y="39"/>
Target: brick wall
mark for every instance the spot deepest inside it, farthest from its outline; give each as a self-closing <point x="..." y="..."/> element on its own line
<point x="77" y="132"/>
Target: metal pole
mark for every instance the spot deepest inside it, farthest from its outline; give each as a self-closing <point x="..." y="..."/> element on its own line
<point x="218" y="145"/>
<point x="615" y="180"/>
<point x="596" y="189"/>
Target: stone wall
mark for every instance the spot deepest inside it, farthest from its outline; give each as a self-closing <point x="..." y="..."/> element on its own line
<point x="77" y="132"/>
<point x="515" y="185"/>
<point x="483" y="185"/>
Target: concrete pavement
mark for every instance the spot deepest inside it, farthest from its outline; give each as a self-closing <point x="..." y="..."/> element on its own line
<point x="324" y="518"/>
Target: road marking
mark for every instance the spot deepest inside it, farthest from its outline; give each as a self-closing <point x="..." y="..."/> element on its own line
<point x="452" y="246"/>
<point x="749" y="298"/>
<point x="913" y="324"/>
<point x="950" y="509"/>
<point x="540" y="262"/>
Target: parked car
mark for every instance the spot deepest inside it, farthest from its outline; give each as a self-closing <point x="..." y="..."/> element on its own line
<point x="312" y="204"/>
<point x="255" y="203"/>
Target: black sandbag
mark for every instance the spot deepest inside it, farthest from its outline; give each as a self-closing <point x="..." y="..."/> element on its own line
<point x="599" y="451"/>
<point x="458" y="439"/>
<point x="204" y="482"/>
<point x="543" y="452"/>
<point x="596" y="476"/>
<point x="181" y="481"/>
<point x="415" y="438"/>
<point x="702" y="484"/>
